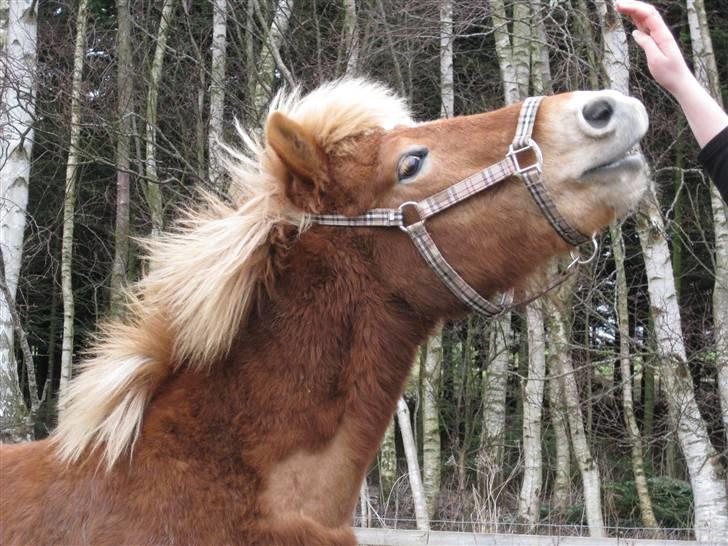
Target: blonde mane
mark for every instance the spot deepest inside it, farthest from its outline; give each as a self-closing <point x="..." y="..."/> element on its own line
<point x="202" y="276"/>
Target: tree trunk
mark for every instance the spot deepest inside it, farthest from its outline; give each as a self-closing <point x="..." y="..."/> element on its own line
<point x="217" y="91"/>
<point x="504" y="51"/>
<point x="495" y="385"/>
<point x="562" y="473"/>
<point x="704" y="468"/>
<point x="350" y="32"/>
<point x="23" y="430"/>
<point x="413" y="467"/>
<point x="17" y="111"/>
<point x="387" y="462"/>
<point x="706" y="72"/>
<point x="447" y="85"/>
<point x="521" y="45"/>
<point x="152" y="189"/>
<point x="125" y="84"/>
<point x="69" y="200"/>
<point x="540" y="65"/>
<point x="633" y="431"/>
<point x="430" y="378"/>
<point x="587" y="466"/>
<point x="529" y="500"/>
<point x="269" y="57"/>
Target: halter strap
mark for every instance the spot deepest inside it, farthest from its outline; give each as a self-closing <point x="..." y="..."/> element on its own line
<point x="511" y="165"/>
<point x="533" y="177"/>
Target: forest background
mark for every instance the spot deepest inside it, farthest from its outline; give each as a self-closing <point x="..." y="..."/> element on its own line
<point x="602" y="405"/>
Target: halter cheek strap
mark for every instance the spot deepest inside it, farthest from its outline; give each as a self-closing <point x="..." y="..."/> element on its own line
<point x="509" y="166"/>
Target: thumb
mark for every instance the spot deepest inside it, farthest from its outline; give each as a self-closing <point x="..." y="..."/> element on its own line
<point x="648" y="44"/>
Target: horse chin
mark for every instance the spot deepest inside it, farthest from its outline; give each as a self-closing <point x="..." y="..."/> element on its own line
<point x="621" y="183"/>
<point x="628" y="165"/>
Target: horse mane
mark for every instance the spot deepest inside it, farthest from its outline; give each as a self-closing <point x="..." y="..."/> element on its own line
<point x="203" y="275"/>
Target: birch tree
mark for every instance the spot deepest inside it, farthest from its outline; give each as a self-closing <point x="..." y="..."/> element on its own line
<point x="495" y="384"/>
<point x="350" y="32"/>
<point x="512" y="50"/>
<point x="413" y="466"/>
<point x="388" y="461"/>
<point x="270" y="58"/>
<point x="704" y="469"/>
<point x="706" y="71"/>
<point x="430" y="378"/>
<point x="432" y="362"/>
<point x="69" y="200"/>
<point x="564" y="369"/>
<point x="125" y="111"/>
<point x="17" y="111"/>
<point x="562" y="473"/>
<point x="152" y="189"/>
<point x="447" y="85"/>
<point x="529" y="499"/>
<point x="217" y="91"/>
<point x="633" y="431"/>
<point x="17" y="431"/>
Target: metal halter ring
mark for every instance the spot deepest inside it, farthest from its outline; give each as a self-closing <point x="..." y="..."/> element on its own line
<point x="513" y="153"/>
<point x="400" y="208"/>
<point x="576" y="258"/>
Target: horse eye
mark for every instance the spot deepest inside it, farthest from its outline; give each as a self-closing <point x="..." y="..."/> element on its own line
<point x="410" y="164"/>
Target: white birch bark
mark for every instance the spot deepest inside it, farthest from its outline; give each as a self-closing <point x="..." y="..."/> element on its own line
<point x="529" y="499"/>
<point x="633" y="431"/>
<point x="582" y="453"/>
<point x="69" y="200"/>
<point x="17" y="110"/>
<point x="504" y="52"/>
<point x="495" y="384"/>
<point x="125" y="111"/>
<point x="706" y="71"/>
<point x="351" y="37"/>
<point x="521" y="45"/>
<point x="413" y="466"/>
<point x="269" y="57"/>
<point x="562" y="472"/>
<point x="217" y="91"/>
<point x="430" y="378"/>
<point x="152" y="189"/>
<point x="388" y="461"/>
<point x="704" y="469"/>
<point x="447" y="85"/>
<point x="540" y="65"/>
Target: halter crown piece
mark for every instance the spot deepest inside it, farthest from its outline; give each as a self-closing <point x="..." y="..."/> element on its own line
<point x="509" y="166"/>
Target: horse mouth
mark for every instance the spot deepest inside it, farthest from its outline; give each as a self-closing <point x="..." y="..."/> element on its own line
<point x="632" y="161"/>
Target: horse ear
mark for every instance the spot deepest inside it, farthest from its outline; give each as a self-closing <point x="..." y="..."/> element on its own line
<point x="303" y="157"/>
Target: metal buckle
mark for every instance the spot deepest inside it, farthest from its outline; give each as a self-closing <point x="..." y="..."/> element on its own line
<point x="513" y="153"/>
<point x="400" y="208"/>
<point x="576" y="258"/>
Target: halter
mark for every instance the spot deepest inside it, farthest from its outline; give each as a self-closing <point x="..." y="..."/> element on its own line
<point x="511" y="165"/>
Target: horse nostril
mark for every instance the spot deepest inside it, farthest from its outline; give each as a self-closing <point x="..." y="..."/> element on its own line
<point x="598" y="113"/>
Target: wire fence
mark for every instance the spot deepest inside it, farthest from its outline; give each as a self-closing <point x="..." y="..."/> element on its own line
<point x="512" y="527"/>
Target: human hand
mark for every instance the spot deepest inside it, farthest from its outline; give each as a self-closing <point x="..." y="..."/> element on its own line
<point x="664" y="58"/>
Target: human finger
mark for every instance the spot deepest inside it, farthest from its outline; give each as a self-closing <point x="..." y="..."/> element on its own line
<point x="648" y="20"/>
<point x="646" y="42"/>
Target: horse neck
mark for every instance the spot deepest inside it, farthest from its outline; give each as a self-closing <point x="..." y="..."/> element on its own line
<point x="330" y="348"/>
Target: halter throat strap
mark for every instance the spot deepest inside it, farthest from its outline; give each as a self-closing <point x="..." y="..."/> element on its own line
<point x="515" y="163"/>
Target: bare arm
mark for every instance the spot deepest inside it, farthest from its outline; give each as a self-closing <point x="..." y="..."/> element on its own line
<point x="667" y="66"/>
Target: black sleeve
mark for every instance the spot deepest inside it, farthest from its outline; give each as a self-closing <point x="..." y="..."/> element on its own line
<point x="714" y="158"/>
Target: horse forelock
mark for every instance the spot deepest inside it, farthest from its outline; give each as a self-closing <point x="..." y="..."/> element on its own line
<point x="203" y="275"/>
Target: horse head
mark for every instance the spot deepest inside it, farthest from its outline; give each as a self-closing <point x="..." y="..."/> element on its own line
<point x="581" y="144"/>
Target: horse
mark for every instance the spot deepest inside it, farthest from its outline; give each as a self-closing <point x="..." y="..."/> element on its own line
<point x="246" y="389"/>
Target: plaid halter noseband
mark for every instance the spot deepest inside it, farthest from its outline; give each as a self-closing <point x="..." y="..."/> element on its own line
<point x="507" y="167"/>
